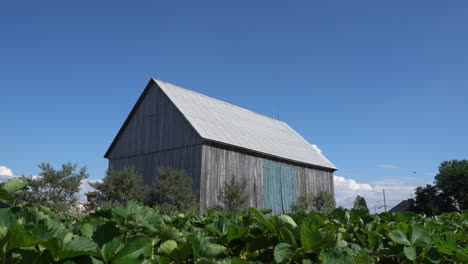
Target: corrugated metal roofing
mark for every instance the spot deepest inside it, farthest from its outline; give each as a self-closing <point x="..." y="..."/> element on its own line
<point x="226" y="123"/>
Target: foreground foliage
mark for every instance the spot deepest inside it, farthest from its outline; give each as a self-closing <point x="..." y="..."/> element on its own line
<point x="139" y="234"/>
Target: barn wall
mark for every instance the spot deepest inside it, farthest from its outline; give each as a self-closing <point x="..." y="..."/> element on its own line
<point x="218" y="164"/>
<point x="157" y="125"/>
<point x="158" y="135"/>
<point x="314" y="180"/>
<point x="188" y="159"/>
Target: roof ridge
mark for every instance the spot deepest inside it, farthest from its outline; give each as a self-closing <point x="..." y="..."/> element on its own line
<point x="221" y="101"/>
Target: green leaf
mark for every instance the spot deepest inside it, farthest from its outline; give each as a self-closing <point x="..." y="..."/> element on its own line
<point x="313" y="239"/>
<point x="14" y="184"/>
<point x="109" y="249"/>
<point x="283" y="252"/>
<point x="213" y="250"/>
<point x="235" y="232"/>
<point x="79" y="246"/>
<point x="286" y="219"/>
<point x="419" y="237"/>
<point x="137" y="249"/>
<point x="399" y="237"/>
<point x="167" y="247"/>
<point x="262" y="219"/>
<point x="410" y="253"/>
<point x="335" y="257"/>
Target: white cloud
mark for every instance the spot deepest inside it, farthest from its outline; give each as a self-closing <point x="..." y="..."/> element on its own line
<point x="316" y="147"/>
<point x="389" y="166"/>
<point x="396" y="189"/>
<point x="6" y="172"/>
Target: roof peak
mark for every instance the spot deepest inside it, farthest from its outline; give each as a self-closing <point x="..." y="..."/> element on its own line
<point x="219" y="100"/>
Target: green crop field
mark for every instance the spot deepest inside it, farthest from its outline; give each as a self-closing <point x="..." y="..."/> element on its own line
<point x="139" y="234"/>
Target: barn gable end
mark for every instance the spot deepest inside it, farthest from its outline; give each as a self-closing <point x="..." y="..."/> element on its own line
<point x="156" y="134"/>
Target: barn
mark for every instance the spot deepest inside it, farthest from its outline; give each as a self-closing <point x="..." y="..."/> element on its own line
<point x="212" y="140"/>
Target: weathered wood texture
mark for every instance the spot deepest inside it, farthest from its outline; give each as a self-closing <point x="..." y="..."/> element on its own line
<point x="158" y="135"/>
<point x="157" y="125"/>
<point x="188" y="159"/>
<point x="219" y="165"/>
<point x="314" y="180"/>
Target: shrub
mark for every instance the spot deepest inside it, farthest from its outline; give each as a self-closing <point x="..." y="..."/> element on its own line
<point x="232" y="196"/>
<point x="121" y="186"/>
<point x="173" y="191"/>
<point x="323" y="202"/>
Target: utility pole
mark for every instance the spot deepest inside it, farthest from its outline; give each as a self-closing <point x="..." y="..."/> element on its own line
<point x="384" y="202"/>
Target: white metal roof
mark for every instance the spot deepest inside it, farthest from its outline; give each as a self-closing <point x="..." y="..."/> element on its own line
<point x="226" y="123"/>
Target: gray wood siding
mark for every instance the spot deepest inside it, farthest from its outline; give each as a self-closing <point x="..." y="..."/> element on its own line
<point x="188" y="159"/>
<point x="156" y="125"/>
<point x="313" y="181"/>
<point x="219" y="165"/>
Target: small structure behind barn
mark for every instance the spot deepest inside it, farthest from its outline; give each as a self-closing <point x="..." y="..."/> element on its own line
<point x="212" y="140"/>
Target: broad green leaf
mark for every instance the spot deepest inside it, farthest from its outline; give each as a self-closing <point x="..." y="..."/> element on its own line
<point x="213" y="250"/>
<point x="286" y="219"/>
<point x="262" y="219"/>
<point x="314" y="239"/>
<point x="399" y="237"/>
<point x="137" y="249"/>
<point x="235" y="232"/>
<point x="13" y="185"/>
<point x="167" y="247"/>
<point x="419" y="237"/>
<point x="335" y="257"/>
<point x="79" y="246"/>
<point x="285" y="235"/>
<point x="283" y="252"/>
<point x="410" y="253"/>
<point x="109" y="249"/>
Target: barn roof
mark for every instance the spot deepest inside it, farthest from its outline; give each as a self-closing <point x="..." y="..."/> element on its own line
<point x="228" y="124"/>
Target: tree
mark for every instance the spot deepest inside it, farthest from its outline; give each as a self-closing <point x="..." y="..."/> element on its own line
<point x="323" y="202"/>
<point x="232" y="196"/>
<point x="431" y="201"/>
<point x="452" y="180"/>
<point x="360" y="204"/>
<point x="173" y="191"/>
<point x="121" y="186"/>
<point x="55" y="188"/>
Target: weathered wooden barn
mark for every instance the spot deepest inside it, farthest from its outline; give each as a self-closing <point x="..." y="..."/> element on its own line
<point x="212" y="140"/>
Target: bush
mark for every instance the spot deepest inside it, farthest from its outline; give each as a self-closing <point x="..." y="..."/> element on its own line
<point x="173" y="192"/>
<point x="324" y="202"/>
<point x="232" y="197"/>
<point x="121" y="186"/>
<point x="55" y="188"/>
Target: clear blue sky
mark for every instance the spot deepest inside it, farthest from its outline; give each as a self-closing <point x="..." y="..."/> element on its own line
<point x="380" y="86"/>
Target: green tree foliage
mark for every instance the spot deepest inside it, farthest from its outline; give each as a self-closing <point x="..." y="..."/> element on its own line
<point x="121" y="186"/>
<point x="452" y="180"/>
<point x="173" y="191"/>
<point x="431" y="201"/>
<point x="324" y="202"/>
<point x="232" y="196"/>
<point x="55" y="188"/>
<point x="360" y="204"/>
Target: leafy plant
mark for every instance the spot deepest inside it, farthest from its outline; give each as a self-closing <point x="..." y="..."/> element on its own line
<point x="174" y="192"/>
<point x="232" y="196"/>
<point x="121" y="186"/>
<point x="55" y="188"/>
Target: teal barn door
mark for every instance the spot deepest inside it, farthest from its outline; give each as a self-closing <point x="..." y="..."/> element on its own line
<point x="279" y="186"/>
